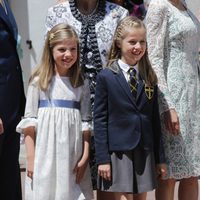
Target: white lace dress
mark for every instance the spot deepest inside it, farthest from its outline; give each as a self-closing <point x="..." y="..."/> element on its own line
<point x="58" y="140"/>
<point x="173" y="42"/>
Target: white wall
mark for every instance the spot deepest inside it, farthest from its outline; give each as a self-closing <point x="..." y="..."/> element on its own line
<point x="37" y="10"/>
<point x="30" y="17"/>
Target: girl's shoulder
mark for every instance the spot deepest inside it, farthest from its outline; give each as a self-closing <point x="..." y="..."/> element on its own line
<point x="105" y="73"/>
<point x="106" y="70"/>
<point x="85" y="87"/>
<point x="85" y="82"/>
<point x="34" y="81"/>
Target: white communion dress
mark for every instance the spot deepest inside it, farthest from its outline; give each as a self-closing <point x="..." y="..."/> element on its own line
<point x="59" y="115"/>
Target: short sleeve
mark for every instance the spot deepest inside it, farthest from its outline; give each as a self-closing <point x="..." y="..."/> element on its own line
<point x="31" y="110"/>
<point x="157" y="36"/>
<point x="86" y="113"/>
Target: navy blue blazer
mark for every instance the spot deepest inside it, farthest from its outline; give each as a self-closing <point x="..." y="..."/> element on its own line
<point x="12" y="98"/>
<point x="120" y="121"/>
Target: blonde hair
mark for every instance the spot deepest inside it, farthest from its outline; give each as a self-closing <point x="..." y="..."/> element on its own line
<point x="146" y="71"/>
<point x="46" y="68"/>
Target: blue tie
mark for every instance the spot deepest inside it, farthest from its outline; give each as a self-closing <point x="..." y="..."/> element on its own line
<point x="133" y="81"/>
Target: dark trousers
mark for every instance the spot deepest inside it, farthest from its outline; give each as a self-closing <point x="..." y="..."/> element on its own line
<point x="10" y="179"/>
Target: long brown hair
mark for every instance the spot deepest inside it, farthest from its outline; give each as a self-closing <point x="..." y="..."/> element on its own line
<point x="146" y="71"/>
<point x="46" y="68"/>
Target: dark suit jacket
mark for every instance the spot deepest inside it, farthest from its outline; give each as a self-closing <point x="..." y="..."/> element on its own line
<point x="12" y="98"/>
<point x="120" y="121"/>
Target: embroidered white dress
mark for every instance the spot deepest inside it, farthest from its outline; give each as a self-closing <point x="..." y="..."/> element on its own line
<point x="173" y="42"/>
<point x="58" y="141"/>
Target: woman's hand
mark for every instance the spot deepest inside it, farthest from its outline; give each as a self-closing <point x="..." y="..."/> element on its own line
<point x="104" y="170"/>
<point x="80" y="168"/>
<point x="1" y="127"/>
<point x="171" y="121"/>
<point x="161" y="170"/>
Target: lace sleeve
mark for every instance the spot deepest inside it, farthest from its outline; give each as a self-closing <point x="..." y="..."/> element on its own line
<point x="86" y="108"/>
<point x="32" y="100"/>
<point x="31" y="110"/>
<point x="157" y="25"/>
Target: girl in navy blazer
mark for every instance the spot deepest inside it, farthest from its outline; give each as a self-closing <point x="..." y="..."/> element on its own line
<point x="126" y="117"/>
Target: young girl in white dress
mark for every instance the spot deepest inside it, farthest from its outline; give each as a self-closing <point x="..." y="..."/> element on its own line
<point x="57" y="123"/>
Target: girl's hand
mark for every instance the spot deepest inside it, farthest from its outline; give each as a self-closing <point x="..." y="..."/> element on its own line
<point x="29" y="133"/>
<point x="104" y="170"/>
<point x="30" y="166"/>
<point x="1" y="127"/>
<point x="171" y="121"/>
<point x="79" y="169"/>
<point x="161" y="170"/>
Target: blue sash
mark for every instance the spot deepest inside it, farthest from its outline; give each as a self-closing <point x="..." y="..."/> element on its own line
<point x="59" y="103"/>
